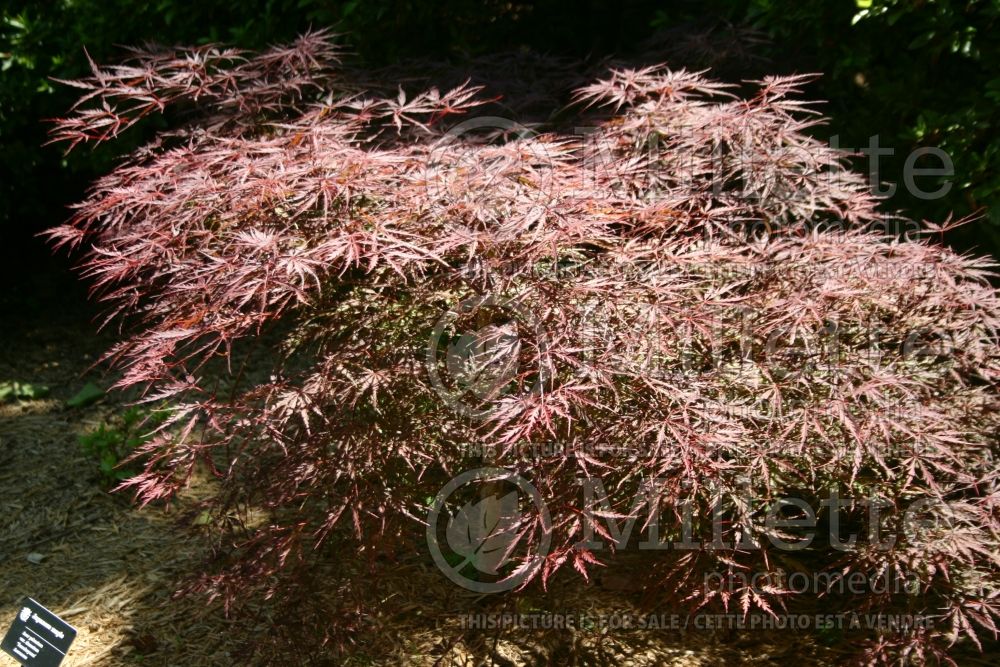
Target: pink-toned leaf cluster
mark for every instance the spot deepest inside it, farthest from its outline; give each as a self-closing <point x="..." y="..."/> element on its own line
<point x="705" y="303"/>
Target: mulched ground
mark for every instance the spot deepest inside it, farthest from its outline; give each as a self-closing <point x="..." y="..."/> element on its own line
<point x="111" y="569"/>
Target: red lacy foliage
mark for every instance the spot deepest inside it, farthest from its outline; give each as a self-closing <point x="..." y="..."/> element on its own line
<point x="707" y="285"/>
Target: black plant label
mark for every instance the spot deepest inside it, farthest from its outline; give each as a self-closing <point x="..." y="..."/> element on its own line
<point x="37" y="637"/>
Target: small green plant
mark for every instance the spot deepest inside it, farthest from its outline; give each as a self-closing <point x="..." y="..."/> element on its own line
<point x="112" y="442"/>
<point x="22" y="391"/>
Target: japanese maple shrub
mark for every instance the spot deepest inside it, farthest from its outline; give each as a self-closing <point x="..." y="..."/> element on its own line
<point x="693" y="282"/>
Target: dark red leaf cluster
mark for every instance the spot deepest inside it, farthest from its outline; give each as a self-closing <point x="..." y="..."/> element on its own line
<point x="692" y="296"/>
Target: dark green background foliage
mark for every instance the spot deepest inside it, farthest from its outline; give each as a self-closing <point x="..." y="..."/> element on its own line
<point x="915" y="72"/>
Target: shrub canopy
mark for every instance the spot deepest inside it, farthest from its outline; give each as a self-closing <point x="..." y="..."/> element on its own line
<point x="669" y="278"/>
